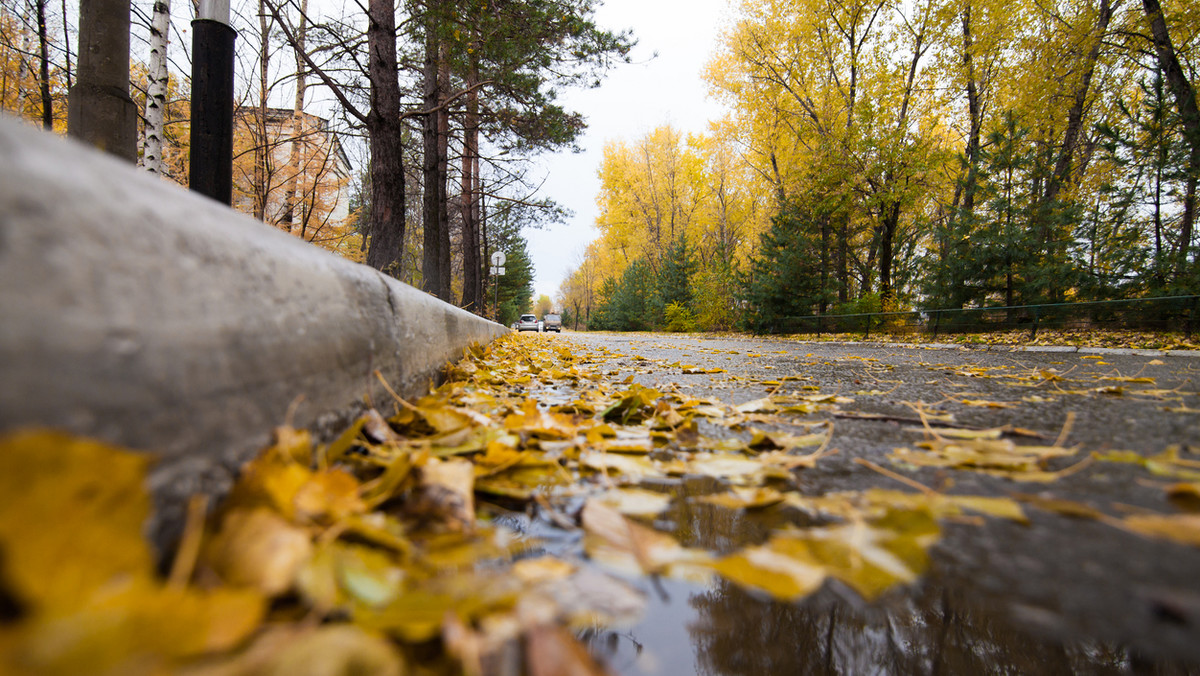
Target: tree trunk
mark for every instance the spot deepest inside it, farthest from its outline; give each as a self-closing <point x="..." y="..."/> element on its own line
<point x="433" y="166"/>
<point x="472" y="266"/>
<point x="1189" y="117"/>
<point x="262" y="152"/>
<point x="1066" y="156"/>
<point x="156" y="93"/>
<point x="826" y="235"/>
<point x="67" y="43"/>
<point x="291" y="194"/>
<point x="386" y="140"/>
<point x="44" y="67"/>
<point x="891" y="222"/>
<point x="443" y="172"/>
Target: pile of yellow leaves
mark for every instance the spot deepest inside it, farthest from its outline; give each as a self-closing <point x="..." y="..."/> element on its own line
<point x="382" y="550"/>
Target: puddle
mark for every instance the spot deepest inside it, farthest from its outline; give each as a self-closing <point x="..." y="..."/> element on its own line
<point x="726" y="630"/>
<point x="925" y="628"/>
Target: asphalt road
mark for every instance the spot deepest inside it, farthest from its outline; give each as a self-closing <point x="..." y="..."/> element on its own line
<point x="1057" y="595"/>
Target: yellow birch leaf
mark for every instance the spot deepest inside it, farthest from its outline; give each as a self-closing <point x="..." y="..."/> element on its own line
<point x="71" y="516"/>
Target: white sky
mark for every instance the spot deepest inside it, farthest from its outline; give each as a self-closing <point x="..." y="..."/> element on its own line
<point x="632" y="101"/>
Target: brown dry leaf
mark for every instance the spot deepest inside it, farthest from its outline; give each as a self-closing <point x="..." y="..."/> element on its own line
<point x="329" y="649"/>
<point x="554" y="651"/>
<point x="258" y="548"/>
<point x="447" y="493"/>
<point x="1185" y="495"/>
<point x="632" y="547"/>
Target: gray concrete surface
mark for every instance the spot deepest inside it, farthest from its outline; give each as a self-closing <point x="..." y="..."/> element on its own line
<point x="134" y="311"/>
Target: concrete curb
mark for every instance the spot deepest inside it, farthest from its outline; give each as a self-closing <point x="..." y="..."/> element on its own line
<point x="145" y="315"/>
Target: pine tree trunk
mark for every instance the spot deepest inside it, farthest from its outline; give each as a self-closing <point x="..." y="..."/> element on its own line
<point x="433" y="201"/>
<point x="443" y="171"/>
<point x="472" y="282"/>
<point x="44" y="67"/>
<point x="386" y="140"/>
<point x="156" y="93"/>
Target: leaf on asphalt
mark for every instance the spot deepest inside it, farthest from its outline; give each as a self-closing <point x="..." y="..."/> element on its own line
<point x="1069" y="508"/>
<point x="1185" y="495"/>
<point x="1002" y="457"/>
<point x="1181" y="528"/>
<point x="1168" y="463"/>
<point x="876" y="502"/>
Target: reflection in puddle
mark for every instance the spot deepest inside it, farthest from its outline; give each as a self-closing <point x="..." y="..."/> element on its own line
<point x="931" y="629"/>
<point x="727" y="630"/>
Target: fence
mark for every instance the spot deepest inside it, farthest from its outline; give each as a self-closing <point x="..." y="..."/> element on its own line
<point x="1167" y="313"/>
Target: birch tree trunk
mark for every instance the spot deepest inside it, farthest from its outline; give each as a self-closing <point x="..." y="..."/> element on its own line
<point x="156" y="93"/>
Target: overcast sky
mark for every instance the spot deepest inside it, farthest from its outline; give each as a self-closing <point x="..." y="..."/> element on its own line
<point x="633" y="100"/>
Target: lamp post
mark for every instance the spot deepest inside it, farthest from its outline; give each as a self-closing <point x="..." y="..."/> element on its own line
<point x="210" y="166"/>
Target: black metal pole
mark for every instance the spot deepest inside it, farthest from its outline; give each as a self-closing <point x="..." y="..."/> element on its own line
<point x="210" y="166"/>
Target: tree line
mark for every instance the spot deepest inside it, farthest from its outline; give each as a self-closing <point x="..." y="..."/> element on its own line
<point x="888" y="155"/>
<point x="451" y="98"/>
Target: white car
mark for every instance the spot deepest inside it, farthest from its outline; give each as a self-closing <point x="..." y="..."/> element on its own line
<point x="529" y="323"/>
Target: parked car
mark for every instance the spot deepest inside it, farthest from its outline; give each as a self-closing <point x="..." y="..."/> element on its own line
<point x="529" y="323"/>
<point x="553" y="323"/>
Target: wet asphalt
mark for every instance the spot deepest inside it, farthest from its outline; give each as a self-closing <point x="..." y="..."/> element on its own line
<point x="1060" y="594"/>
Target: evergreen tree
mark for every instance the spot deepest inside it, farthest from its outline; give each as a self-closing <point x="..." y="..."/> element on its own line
<point x="514" y="289"/>
<point x="786" y="278"/>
